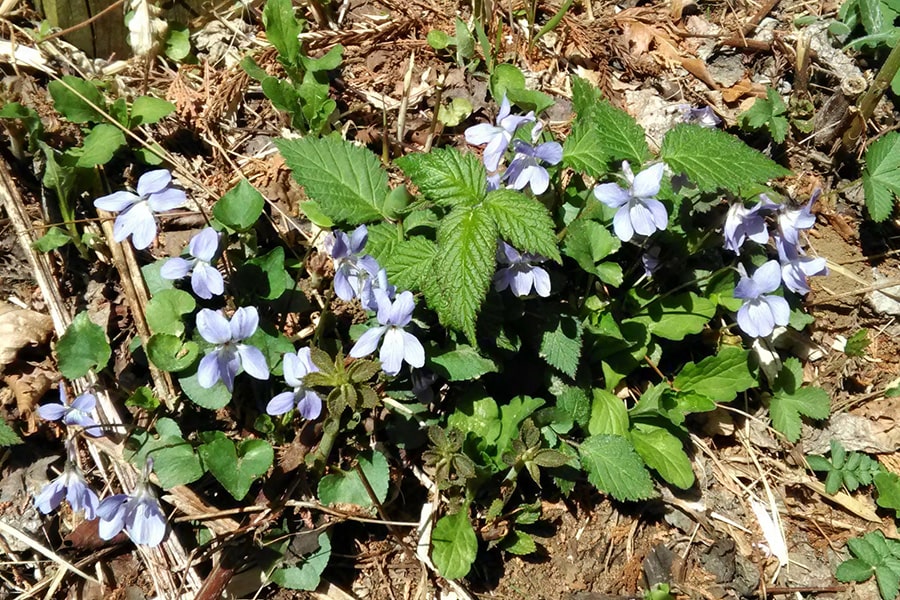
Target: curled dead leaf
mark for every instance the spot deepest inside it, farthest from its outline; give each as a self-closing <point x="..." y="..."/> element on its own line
<point x="20" y="327"/>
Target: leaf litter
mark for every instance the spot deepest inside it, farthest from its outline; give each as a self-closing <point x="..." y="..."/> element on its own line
<point x="592" y="545"/>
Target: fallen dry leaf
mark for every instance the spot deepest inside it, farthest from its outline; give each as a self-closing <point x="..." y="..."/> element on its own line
<point x="20" y="327"/>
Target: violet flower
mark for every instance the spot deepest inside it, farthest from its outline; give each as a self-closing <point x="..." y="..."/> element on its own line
<point x="77" y="413"/>
<point x="136" y="211"/>
<point x="138" y="513"/>
<point x="370" y="284"/>
<point x="791" y="221"/>
<point x="526" y="168"/>
<point x="229" y="354"/>
<point x="639" y="211"/>
<point x="307" y="402"/>
<point x="742" y="223"/>
<point x="704" y="117"/>
<point x="206" y="281"/>
<point x="521" y="272"/>
<point x="796" y="267"/>
<point x="351" y="267"/>
<point x="761" y="312"/>
<point x="72" y="485"/>
<point x="650" y="261"/>
<point x="398" y="345"/>
<point x="497" y="137"/>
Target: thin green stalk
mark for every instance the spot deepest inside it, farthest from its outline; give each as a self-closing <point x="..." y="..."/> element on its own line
<point x="552" y="23"/>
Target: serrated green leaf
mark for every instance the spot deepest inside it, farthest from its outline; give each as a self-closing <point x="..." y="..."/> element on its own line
<point x="236" y="466"/>
<point x="100" y="145"/>
<point x="888" y="578"/>
<point x="584" y="95"/>
<point x="240" y="207"/>
<point x="583" y="152"/>
<point x="446" y="176"/>
<point x="785" y="409"/>
<point x="588" y="243"/>
<point x="467" y="243"/>
<point x="8" y="437"/>
<point x="674" y="317"/>
<point x="561" y="343"/>
<point x="283" y="29"/>
<point x="770" y="113"/>
<point x="572" y="400"/>
<point x="874" y="23"/>
<point x="608" y="414"/>
<point x="617" y="133"/>
<point x="519" y="543"/>
<point x="664" y="453"/>
<point x="307" y="574"/>
<point x="881" y="177"/>
<point x="82" y="347"/>
<point x="462" y="363"/>
<point x="523" y="222"/>
<point x="346" y="181"/>
<point x="410" y="262"/>
<point x="614" y="467"/>
<point x="73" y="96"/>
<point x="147" y="110"/>
<point x="865" y="547"/>
<point x="346" y="487"/>
<point x="166" y="309"/>
<point x="854" y="569"/>
<point x="720" y="377"/>
<point x="454" y="545"/>
<point x="707" y="157"/>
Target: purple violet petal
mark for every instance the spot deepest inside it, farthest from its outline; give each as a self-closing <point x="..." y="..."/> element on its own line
<point x="310" y="406"/>
<point x="244" y="323"/>
<point x="213" y="327"/>
<point x="152" y="182"/>
<point x="253" y="361"/>
<point x="281" y="404"/>
<point x="367" y="342"/>
<point x="622" y="224"/>
<point x="167" y="200"/>
<point x="646" y="183"/>
<point x="612" y="195"/>
<point x="176" y="268"/>
<point x="205" y="244"/>
<point x="392" y="351"/>
<point x="208" y="371"/>
<point x="768" y="277"/>
<point x="117" y="201"/>
<point x="402" y="310"/>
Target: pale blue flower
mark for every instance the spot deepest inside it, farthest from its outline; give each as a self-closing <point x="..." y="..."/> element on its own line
<point x="136" y="211"/>
<point x="761" y="312"/>
<point x="229" y="354"/>
<point x="650" y="261"/>
<point x="497" y="137"/>
<point x="70" y="485"/>
<point x="796" y="267"/>
<point x="398" y="345"/>
<point x="526" y="168"/>
<point x="791" y="221"/>
<point x="370" y="284"/>
<point x="138" y="513"/>
<point x="519" y="272"/>
<point x="704" y="117"/>
<point x="78" y="413"/>
<point x="206" y="281"/>
<point x="742" y="223"/>
<point x="307" y="402"/>
<point x="351" y="267"/>
<point x="639" y="211"/>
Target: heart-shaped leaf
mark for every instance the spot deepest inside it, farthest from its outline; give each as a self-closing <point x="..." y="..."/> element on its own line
<point x="237" y="467"/>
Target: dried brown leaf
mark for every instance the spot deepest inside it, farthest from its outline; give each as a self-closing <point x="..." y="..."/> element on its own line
<point x="20" y="327"/>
